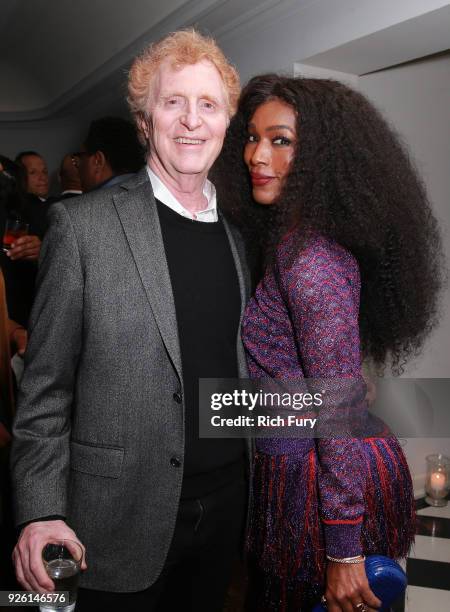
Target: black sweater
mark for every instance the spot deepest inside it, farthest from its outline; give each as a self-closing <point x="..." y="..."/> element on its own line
<point x="207" y="303"/>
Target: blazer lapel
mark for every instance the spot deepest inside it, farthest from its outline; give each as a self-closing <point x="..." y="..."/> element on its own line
<point x="136" y="209"/>
<point x="244" y="287"/>
<point x="237" y="257"/>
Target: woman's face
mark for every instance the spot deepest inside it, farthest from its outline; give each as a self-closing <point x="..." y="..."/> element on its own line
<point x="270" y="148"/>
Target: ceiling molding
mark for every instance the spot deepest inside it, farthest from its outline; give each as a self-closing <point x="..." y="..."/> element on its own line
<point x="113" y="71"/>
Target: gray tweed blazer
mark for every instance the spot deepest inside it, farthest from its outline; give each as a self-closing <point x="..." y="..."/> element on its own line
<point x="97" y="423"/>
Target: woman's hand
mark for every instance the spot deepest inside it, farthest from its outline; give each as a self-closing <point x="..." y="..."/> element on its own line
<point x="347" y="586"/>
<point x="19" y="339"/>
<point x="25" y="247"/>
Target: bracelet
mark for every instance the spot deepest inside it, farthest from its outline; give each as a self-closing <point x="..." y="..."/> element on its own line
<point x="352" y="560"/>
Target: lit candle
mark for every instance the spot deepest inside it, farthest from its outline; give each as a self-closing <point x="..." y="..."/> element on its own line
<point x="438" y="481"/>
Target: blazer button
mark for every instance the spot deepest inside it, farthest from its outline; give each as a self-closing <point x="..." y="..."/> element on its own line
<point x="174" y="462"/>
<point x="178" y="397"/>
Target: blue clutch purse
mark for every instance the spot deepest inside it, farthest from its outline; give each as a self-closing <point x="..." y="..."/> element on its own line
<point x="386" y="579"/>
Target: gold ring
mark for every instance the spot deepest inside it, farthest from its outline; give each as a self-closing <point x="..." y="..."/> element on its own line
<point x="361" y="606"/>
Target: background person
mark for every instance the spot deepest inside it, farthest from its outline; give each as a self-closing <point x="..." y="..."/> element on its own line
<point x="110" y="154"/>
<point x="36" y="174"/>
<point x="19" y="263"/>
<point x="69" y="177"/>
<point x="350" y="268"/>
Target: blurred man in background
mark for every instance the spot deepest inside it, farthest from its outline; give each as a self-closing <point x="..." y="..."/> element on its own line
<point x="69" y="177"/>
<point x="110" y="154"/>
<point x="36" y="174"/>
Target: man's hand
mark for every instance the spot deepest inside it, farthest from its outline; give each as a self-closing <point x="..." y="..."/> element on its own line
<point x="25" y="247"/>
<point x="27" y="555"/>
<point x="348" y="587"/>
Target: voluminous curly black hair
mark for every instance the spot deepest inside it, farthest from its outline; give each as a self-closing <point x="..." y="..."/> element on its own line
<point x="351" y="180"/>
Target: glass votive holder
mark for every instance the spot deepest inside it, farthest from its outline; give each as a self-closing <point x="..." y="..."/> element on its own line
<point x="437" y="480"/>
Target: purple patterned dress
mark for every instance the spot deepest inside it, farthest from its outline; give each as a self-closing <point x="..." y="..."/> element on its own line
<point x="312" y="497"/>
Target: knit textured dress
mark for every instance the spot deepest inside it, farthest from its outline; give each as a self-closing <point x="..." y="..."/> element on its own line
<point x="313" y="497"/>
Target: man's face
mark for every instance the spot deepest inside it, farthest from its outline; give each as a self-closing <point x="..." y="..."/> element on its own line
<point x="188" y="119"/>
<point x="37" y="175"/>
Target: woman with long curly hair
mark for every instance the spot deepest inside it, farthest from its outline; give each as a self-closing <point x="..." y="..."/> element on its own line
<point x="346" y="253"/>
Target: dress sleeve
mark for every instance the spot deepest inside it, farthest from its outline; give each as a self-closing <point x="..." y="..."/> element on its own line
<point x="322" y="293"/>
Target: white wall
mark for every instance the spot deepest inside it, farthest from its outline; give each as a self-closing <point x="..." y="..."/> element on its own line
<point x="294" y="30"/>
<point x="50" y="138"/>
<point x="416" y="99"/>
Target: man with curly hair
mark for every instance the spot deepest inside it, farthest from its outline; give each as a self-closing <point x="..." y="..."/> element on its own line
<point x="140" y="293"/>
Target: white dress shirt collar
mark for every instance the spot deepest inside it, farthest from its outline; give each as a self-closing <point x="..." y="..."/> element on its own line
<point x="163" y="194"/>
<point x="71" y="191"/>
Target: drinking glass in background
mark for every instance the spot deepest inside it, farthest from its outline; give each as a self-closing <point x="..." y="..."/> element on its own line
<point x="62" y="561"/>
<point x="14" y="228"/>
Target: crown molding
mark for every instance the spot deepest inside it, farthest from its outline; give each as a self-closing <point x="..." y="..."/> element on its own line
<point x="113" y="72"/>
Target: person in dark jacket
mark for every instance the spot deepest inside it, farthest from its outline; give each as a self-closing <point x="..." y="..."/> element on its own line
<point x="19" y="263"/>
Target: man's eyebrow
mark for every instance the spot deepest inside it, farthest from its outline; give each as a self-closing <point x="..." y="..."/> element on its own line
<point x="203" y="96"/>
<point x="273" y="128"/>
<point x="169" y="94"/>
<point x="207" y="96"/>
